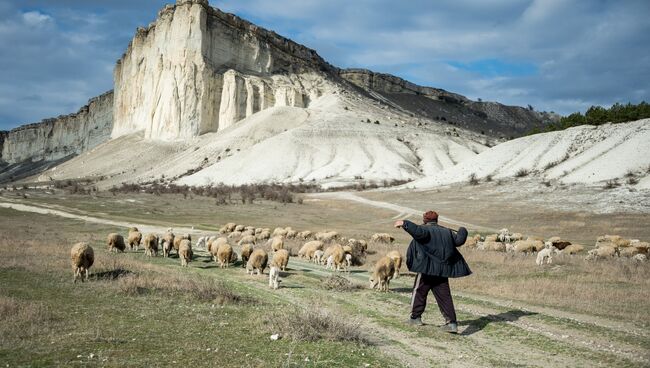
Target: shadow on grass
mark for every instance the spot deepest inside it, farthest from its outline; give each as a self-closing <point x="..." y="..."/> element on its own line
<point x="112" y="274"/>
<point x="402" y="290"/>
<point x="476" y="325"/>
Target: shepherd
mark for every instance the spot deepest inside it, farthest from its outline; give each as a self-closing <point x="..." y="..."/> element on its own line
<point x="432" y="254"/>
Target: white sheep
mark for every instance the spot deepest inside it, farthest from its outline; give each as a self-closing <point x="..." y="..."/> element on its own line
<point x="82" y="257"/>
<point x="274" y="277"/>
<point x="318" y="257"/>
<point x="545" y="255"/>
<point x="134" y="239"/>
<point x="640" y="258"/>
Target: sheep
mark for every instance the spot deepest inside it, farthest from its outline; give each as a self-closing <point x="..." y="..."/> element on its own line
<point x="276" y="243"/>
<point x="202" y="242"/>
<point x="291" y="234"/>
<point x="642" y="246"/>
<point x="246" y="250"/>
<point x="504" y="236"/>
<point x="239" y="228"/>
<point x="327" y="236"/>
<point x="250" y="228"/>
<point x="348" y="260"/>
<point x="304" y="235"/>
<point x="257" y="262"/>
<point x="179" y="238"/>
<point x="134" y="239"/>
<point x="640" y="258"/>
<point x="234" y="234"/>
<point x="308" y="249"/>
<point x="224" y="252"/>
<point x="629" y="252"/>
<point x="492" y="245"/>
<point x="472" y="242"/>
<point x="246" y="233"/>
<point x="573" y="249"/>
<point x="281" y="259"/>
<point x="528" y="246"/>
<point x="274" y="277"/>
<point x="554" y="239"/>
<point x="82" y="257"/>
<point x="115" y="242"/>
<point x="338" y="257"/>
<point x="602" y="252"/>
<point x="616" y="241"/>
<point x="516" y="236"/>
<point x="264" y="235"/>
<point x="545" y="255"/>
<point x="382" y="273"/>
<point x="213" y="247"/>
<point x="167" y="243"/>
<point x="278" y="231"/>
<point x="382" y="238"/>
<point x="491" y="238"/>
<point x="150" y="244"/>
<point x="230" y="227"/>
<point x="329" y="264"/>
<point x="397" y="259"/>
<point x="246" y="239"/>
<point x="318" y="257"/>
<point x="185" y="252"/>
<point x="258" y="230"/>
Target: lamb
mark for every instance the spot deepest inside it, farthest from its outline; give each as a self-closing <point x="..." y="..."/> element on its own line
<point x="276" y="243"/>
<point x="291" y="233"/>
<point x="82" y="257"/>
<point x="246" y="251"/>
<point x="167" y="243"/>
<point x="274" y="277"/>
<point x="397" y="259"/>
<point x="318" y="257"/>
<point x="115" y="242"/>
<point x="642" y="246"/>
<point x="338" y="257"/>
<point x="202" y="242"/>
<point x="640" y="258"/>
<point x="504" y="236"/>
<point x="257" y="262"/>
<point x="308" y="249"/>
<point x="247" y="239"/>
<point x="348" y="260"/>
<point x="382" y="273"/>
<point x="134" y="239"/>
<point x="150" y="244"/>
<point x="382" y="238"/>
<point x="185" y="252"/>
<point x="281" y="259"/>
<point x="545" y="255"/>
<point x="224" y="253"/>
<point x="573" y="249"/>
<point x="329" y="264"/>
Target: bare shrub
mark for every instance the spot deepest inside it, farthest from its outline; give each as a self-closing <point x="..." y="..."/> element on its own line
<point x="632" y="180"/>
<point x="611" y="184"/>
<point x="488" y="178"/>
<point x="316" y="324"/>
<point x="473" y="180"/>
<point x="339" y="283"/>
<point x="522" y="173"/>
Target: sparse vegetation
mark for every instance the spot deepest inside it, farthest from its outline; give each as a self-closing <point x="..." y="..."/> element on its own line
<point x="473" y="180"/>
<point x="611" y="184"/>
<point x="522" y="173"/>
<point x="339" y="283"/>
<point x="315" y="324"/>
<point x="632" y="180"/>
<point x="488" y="178"/>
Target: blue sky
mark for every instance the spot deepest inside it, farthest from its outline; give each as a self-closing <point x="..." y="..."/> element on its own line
<point x="556" y="55"/>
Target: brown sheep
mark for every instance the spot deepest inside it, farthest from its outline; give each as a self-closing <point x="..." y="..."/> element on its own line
<point x="179" y="238"/>
<point x="603" y="251"/>
<point x="493" y="246"/>
<point x="247" y="239"/>
<point x="629" y="252"/>
<point x="525" y="246"/>
<point x="185" y="252"/>
<point x="397" y="259"/>
<point x="280" y="259"/>
<point x="491" y="238"/>
<point x="382" y="238"/>
<point x="167" y="243"/>
<point x="382" y="273"/>
<point x="327" y="236"/>
<point x="115" y="242"/>
<point x="472" y="242"/>
<point x="150" y="244"/>
<point x="337" y="256"/>
<point x="213" y="247"/>
<point x="257" y="262"/>
<point x="224" y="253"/>
<point x="276" y="243"/>
<point x="308" y="249"/>
<point x="134" y="239"/>
<point x="573" y="249"/>
<point x="82" y="257"/>
<point x="304" y="235"/>
<point x="246" y="251"/>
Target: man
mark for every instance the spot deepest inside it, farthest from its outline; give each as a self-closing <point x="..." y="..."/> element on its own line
<point x="432" y="254"/>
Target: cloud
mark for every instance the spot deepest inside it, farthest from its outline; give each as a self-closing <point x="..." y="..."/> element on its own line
<point x="556" y="55"/>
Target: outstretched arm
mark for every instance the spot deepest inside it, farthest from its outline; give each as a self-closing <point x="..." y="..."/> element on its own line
<point x="460" y="236"/>
<point x="418" y="233"/>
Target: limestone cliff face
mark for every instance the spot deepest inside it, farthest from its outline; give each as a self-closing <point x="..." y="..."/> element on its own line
<point x="197" y="70"/>
<point x="52" y="139"/>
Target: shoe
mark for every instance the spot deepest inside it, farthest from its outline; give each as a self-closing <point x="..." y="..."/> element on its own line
<point x="451" y="327"/>
<point x="415" y="321"/>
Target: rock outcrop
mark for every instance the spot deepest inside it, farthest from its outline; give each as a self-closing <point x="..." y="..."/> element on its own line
<point x="53" y="139"/>
<point x="197" y="69"/>
<point x="490" y="118"/>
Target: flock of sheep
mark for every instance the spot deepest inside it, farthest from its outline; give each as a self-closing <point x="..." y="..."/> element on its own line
<point x="606" y="246"/>
<point x="326" y="248"/>
<point x="333" y="251"/>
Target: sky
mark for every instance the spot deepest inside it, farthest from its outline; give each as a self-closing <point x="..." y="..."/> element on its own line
<point x="556" y="55"/>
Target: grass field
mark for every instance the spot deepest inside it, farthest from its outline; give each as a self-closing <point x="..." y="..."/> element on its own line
<point x="141" y="311"/>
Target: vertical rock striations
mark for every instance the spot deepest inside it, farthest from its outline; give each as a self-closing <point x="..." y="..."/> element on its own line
<point x="197" y="69"/>
<point x="52" y="139"/>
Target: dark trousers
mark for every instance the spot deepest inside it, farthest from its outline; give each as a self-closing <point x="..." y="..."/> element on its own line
<point x="441" y="291"/>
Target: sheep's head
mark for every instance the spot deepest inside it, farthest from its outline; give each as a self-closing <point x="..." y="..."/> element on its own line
<point x="373" y="282"/>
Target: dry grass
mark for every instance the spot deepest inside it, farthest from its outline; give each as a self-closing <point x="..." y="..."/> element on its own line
<point x="316" y="324"/>
<point x="616" y="287"/>
<point x="339" y="283"/>
<point x="20" y="320"/>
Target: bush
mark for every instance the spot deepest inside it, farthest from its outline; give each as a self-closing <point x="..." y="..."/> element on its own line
<point x="316" y="324"/>
<point x="632" y="180"/>
<point x="473" y="180"/>
<point x="339" y="283"/>
<point x="611" y="184"/>
<point x="521" y="173"/>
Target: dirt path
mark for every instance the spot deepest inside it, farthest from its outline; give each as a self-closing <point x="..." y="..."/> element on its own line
<point x="402" y="211"/>
<point x="493" y="331"/>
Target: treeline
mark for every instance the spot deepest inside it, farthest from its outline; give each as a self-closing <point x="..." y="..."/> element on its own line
<point x="598" y="115"/>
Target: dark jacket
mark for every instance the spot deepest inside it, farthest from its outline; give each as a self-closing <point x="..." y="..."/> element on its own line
<point x="433" y="250"/>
